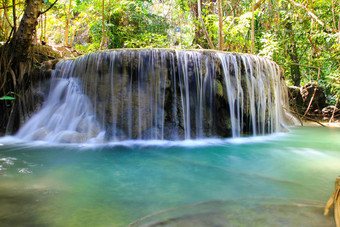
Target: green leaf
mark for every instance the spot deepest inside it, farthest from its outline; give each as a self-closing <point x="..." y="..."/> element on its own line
<point x="7" y="98"/>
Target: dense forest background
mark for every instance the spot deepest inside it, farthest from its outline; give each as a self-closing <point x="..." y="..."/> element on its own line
<point x="302" y="36"/>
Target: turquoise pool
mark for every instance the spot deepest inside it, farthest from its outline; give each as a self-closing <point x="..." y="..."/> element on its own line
<point x="282" y="179"/>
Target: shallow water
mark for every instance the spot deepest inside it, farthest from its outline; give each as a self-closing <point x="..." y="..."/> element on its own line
<point x="278" y="180"/>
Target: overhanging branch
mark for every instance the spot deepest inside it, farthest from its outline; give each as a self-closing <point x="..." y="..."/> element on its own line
<point x="48" y="8"/>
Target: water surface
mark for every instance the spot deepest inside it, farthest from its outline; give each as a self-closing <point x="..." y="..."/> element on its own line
<point x="278" y="180"/>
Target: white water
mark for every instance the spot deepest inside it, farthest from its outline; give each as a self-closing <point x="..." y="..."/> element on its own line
<point x="67" y="115"/>
<point x="159" y="95"/>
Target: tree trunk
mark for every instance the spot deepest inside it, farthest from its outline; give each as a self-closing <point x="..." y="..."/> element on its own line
<point x="14" y="64"/>
<point x="252" y="28"/>
<point x="315" y="89"/>
<point x="22" y="39"/>
<point x="295" y="68"/>
<point x="103" y="26"/>
<point x="67" y="23"/>
<point x="14" y="16"/>
<point x="333" y="13"/>
<point x="7" y="23"/>
<point x="339" y="28"/>
<point x="220" y="25"/>
<point x="292" y="51"/>
<point x="198" y="31"/>
<point x="199" y="11"/>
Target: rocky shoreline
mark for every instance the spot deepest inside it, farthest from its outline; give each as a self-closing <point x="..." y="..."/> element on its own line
<point x="318" y="110"/>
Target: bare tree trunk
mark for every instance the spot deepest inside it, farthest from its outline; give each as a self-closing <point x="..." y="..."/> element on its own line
<point x="198" y="31"/>
<point x="316" y="87"/>
<point x="3" y="23"/>
<point x="103" y="26"/>
<point x="14" y="16"/>
<point x="332" y="117"/>
<point x="73" y="35"/>
<point x="292" y="52"/>
<point x="333" y="12"/>
<point x="339" y="28"/>
<point x="220" y="25"/>
<point x="199" y="11"/>
<point x="67" y="23"/>
<point x="312" y="19"/>
<point x="7" y="24"/>
<point x="45" y="27"/>
<point x="252" y="27"/>
<point x="41" y="26"/>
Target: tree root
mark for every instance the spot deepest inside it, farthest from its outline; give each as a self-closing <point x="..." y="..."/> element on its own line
<point x="301" y="116"/>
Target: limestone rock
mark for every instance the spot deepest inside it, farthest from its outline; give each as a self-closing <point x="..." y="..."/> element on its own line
<point x="307" y="92"/>
<point x="327" y="112"/>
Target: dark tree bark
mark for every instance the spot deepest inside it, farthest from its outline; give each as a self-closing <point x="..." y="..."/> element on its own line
<point x="200" y="30"/>
<point x="23" y="37"/>
<point x="292" y="51"/>
<point x="294" y="68"/>
<point x="15" y="66"/>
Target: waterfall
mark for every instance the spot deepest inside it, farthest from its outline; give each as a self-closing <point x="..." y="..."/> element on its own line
<point x="153" y="94"/>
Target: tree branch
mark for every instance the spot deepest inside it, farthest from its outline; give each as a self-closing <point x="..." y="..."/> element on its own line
<point x="337" y="101"/>
<point x="305" y="117"/>
<point x="6" y="16"/>
<point x="311" y="14"/>
<point x="307" y="66"/>
<point x="19" y="3"/>
<point x="48" y="8"/>
<point x="199" y="10"/>
<point x="236" y="4"/>
<point x="316" y="87"/>
<point x="333" y="12"/>
<point x="258" y="4"/>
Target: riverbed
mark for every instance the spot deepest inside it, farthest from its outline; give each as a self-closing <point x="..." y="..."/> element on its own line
<point x="283" y="179"/>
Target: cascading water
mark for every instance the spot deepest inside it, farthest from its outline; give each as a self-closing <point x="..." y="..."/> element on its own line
<point x="157" y="95"/>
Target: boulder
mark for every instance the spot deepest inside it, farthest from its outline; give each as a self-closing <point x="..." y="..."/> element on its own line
<point x="295" y="97"/>
<point x="319" y="100"/>
<point x="327" y="112"/>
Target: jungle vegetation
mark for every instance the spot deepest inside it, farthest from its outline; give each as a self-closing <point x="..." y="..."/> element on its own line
<point x="302" y="36"/>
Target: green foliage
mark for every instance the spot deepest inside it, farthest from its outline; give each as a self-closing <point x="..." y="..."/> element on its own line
<point x="238" y="33"/>
<point x="7" y="98"/>
<point x="132" y="26"/>
<point x="284" y="32"/>
<point x="314" y="45"/>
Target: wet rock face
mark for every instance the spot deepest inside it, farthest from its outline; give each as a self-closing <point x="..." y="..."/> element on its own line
<point x="168" y="94"/>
